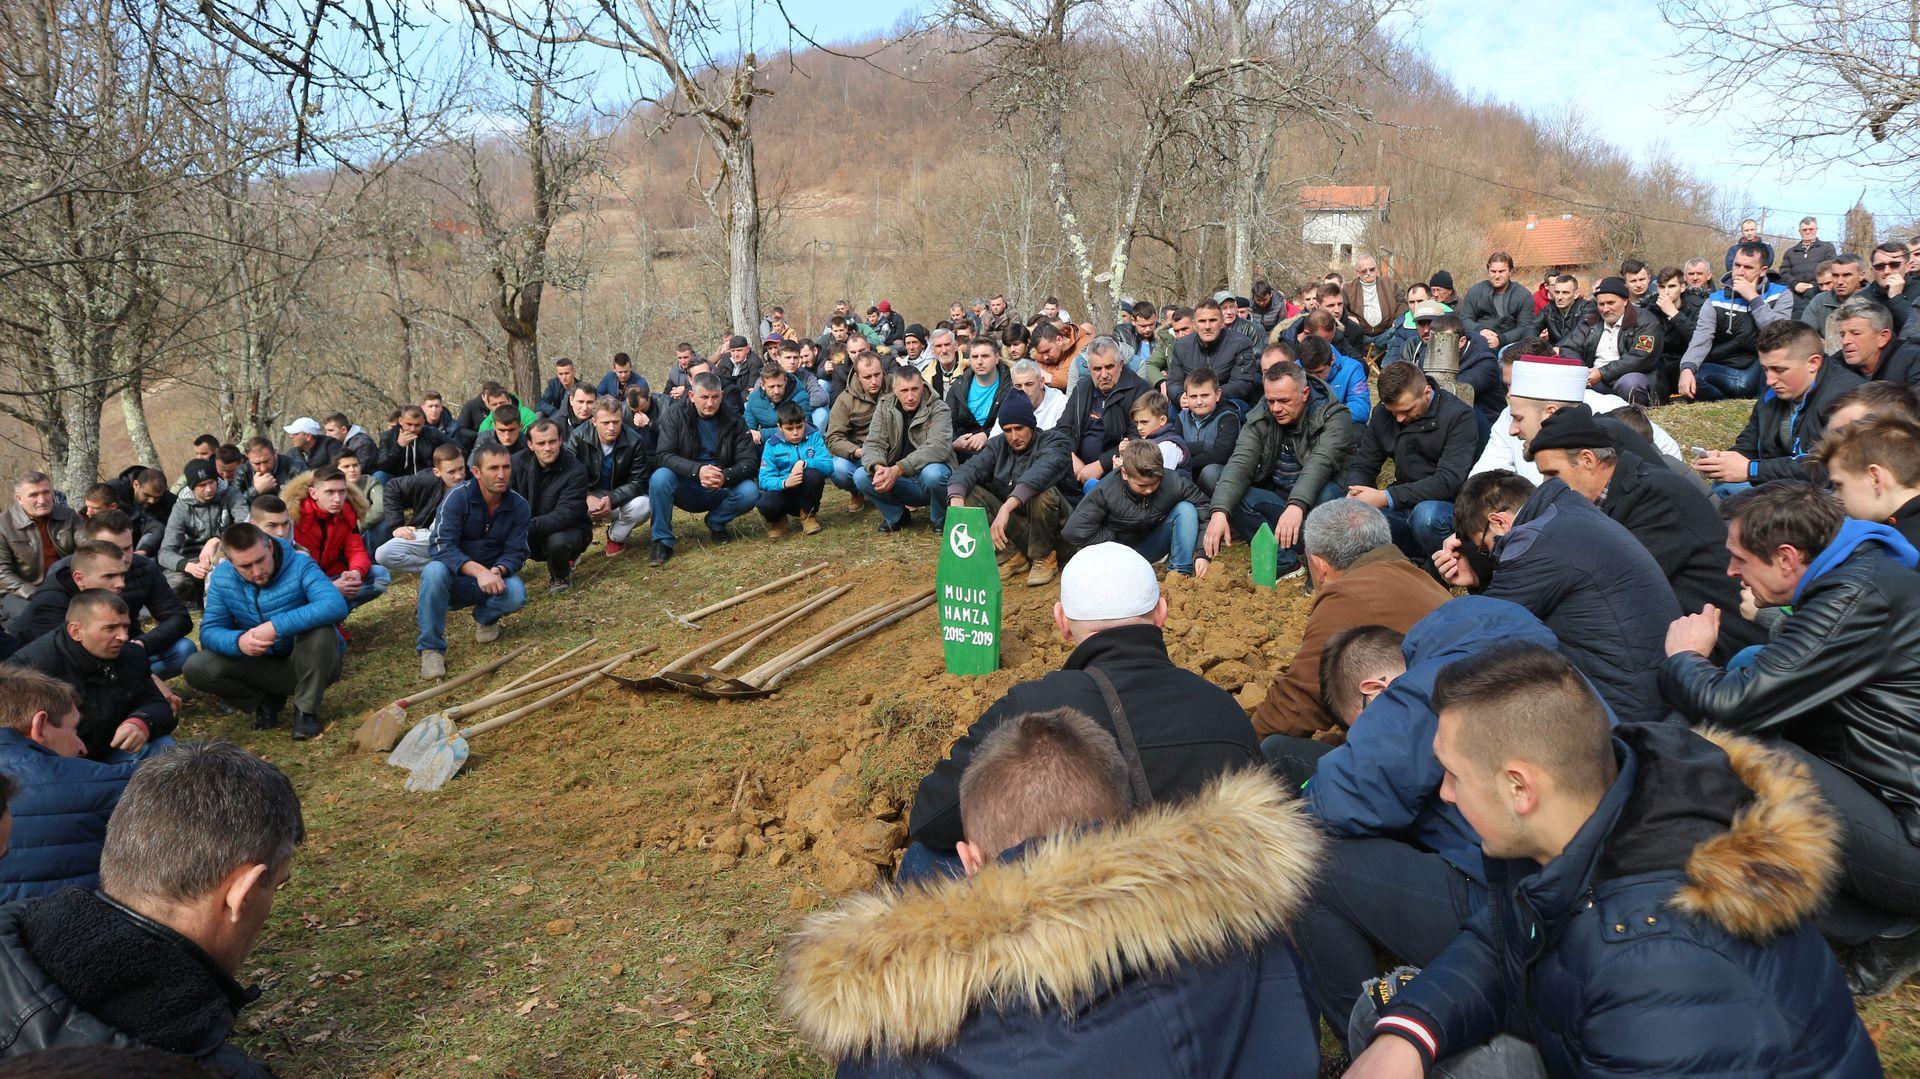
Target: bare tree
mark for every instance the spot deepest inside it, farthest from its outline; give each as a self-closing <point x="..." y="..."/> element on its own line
<point x="1841" y="78"/>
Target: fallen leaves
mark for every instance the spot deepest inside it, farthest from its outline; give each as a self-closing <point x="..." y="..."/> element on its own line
<point x="560" y="927"/>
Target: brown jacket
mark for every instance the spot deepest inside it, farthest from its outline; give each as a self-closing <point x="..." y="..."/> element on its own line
<point x="1393" y="304"/>
<point x="1381" y="589"/>
<point x="22" y="563"/>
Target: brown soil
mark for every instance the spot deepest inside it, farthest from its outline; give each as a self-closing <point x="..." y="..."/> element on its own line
<point x="837" y="808"/>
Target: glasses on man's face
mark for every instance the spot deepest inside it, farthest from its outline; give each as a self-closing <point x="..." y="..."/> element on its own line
<point x="1889" y="265"/>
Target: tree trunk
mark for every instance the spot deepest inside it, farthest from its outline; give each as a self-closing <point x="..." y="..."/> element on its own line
<point x="523" y="359"/>
<point x="403" y="313"/>
<point x="77" y="466"/>
<point x="134" y="410"/>
<point x="743" y="234"/>
<point x="1248" y="173"/>
<point x="1063" y="208"/>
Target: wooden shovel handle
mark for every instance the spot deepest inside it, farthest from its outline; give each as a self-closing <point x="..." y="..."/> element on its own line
<point x="714" y="608"/>
<point x="601" y="671"/>
<point x="548" y="682"/>
<point x="786" y="620"/>
<point x="905" y="610"/>
<point x="685" y="661"/>
<point x="828" y="636"/>
<point x="554" y="662"/>
<point x="429" y="692"/>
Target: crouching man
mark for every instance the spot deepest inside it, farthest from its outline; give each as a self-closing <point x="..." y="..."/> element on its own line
<point x="201" y="843"/>
<point x="1651" y="896"/>
<point x="1143" y="504"/>
<point x="1046" y="962"/>
<point x="1016" y="476"/>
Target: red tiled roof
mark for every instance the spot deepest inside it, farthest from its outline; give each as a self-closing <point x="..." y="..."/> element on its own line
<point x="1552" y="241"/>
<point x="1343" y="198"/>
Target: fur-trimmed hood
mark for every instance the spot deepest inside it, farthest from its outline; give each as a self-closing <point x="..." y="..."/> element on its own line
<point x="294" y="494"/>
<point x="1774" y="867"/>
<point x="899" y="970"/>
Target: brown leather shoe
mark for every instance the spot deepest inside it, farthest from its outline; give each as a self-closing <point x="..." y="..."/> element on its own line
<point x="810" y="524"/>
<point x="1043" y="572"/>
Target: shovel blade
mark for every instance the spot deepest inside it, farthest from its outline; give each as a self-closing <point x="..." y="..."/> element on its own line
<point x="380" y="729"/>
<point x="439" y="764"/>
<point x="426" y="734"/>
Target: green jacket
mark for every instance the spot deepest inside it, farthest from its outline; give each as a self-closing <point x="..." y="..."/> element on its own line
<point x="1154" y="371"/>
<point x="931" y="434"/>
<point x="1327" y="446"/>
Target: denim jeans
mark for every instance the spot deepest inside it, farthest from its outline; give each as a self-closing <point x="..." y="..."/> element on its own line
<point x="668" y="489"/>
<point x="442" y="589"/>
<point x="1635" y="389"/>
<point x="928" y="489"/>
<point x="921" y="862"/>
<point x="1174" y="539"/>
<point x="1292" y="758"/>
<point x="844" y="470"/>
<point x="1262" y="505"/>
<point x="1420" y="531"/>
<point x="1724" y="491"/>
<point x="372" y="587"/>
<point x="1715" y="382"/>
<point x="1373" y="895"/>
<point x="380" y="533"/>
<point x="172" y="660"/>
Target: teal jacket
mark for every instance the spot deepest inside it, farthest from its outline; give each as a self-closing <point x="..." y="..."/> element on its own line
<point x="778" y="455"/>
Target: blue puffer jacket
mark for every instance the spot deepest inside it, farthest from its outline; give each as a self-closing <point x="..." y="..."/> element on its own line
<point x="1385" y="781"/>
<point x="1049" y="963"/>
<point x="1599" y="590"/>
<point x="297" y="598"/>
<point x="1673" y="936"/>
<point x="1347" y="378"/>
<point x="778" y="455"/>
<point x="60" y="815"/>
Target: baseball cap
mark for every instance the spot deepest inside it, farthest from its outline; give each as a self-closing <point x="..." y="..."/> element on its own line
<point x="305" y="425"/>
<point x="1108" y="581"/>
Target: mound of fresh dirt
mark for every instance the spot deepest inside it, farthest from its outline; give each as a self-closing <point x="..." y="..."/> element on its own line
<point x="838" y="808"/>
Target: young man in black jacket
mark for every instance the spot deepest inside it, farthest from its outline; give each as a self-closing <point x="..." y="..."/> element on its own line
<point x="407" y="447"/>
<point x="103" y="564"/>
<point x="1788" y="421"/>
<point x="554" y="483"/>
<point x="1233" y="358"/>
<point x="151" y="957"/>
<point x="617" y="467"/>
<point x="1840" y="684"/>
<point x="1433" y="438"/>
<point x="120" y="706"/>
<point x="1016" y="477"/>
<point x="706" y="462"/>
<point x="400" y="542"/>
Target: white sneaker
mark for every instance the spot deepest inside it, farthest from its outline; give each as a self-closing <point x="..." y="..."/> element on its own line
<point x="486" y="634"/>
<point x="433" y="665"/>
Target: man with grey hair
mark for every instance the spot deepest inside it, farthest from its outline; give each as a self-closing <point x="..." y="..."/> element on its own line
<point x="1800" y="263"/>
<point x="37" y="531"/>
<point x="1361" y="579"/>
<point x="941" y="365"/>
<point x="1097" y="411"/>
<point x="1048" y="403"/>
<point x="199" y="845"/>
<point x="1699" y="275"/>
<point x="1869" y="348"/>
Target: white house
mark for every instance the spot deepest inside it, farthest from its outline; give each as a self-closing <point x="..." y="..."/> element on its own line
<point x="1336" y="218"/>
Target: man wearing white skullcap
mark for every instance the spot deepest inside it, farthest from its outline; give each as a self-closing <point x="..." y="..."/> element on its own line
<point x="1537" y="387"/>
<point x="1177" y="730"/>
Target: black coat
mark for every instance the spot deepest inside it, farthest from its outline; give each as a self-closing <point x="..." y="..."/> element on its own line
<point x="1842" y="673"/>
<point x="325" y="450"/>
<point x="1111" y="512"/>
<point x="557" y="493"/>
<point x="1596" y="588"/>
<point x="1086" y="405"/>
<point x="734" y="452"/>
<point x="1680" y="527"/>
<point x="397" y="460"/>
<point x="451" y="430"/>
<point x="1432" y="456"/>
<point x="956" y="394"/>
<point x="146" y="588"/>
<point x="1046" y="462"/>
<point x="1777" y="458"/>
<point x="78" y="969"/>
<point x="413" y="500"/>
<point x="630" y="473"/>
<point x="1639" y="338"/>
<point x="1234" y="358"/>
<point x="1556" y="324"/>
<point x="553" y="399"/>
<point x="1189" y="731"/>
<point x="111" y="692"/>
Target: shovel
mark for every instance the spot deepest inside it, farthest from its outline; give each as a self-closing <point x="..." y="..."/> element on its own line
<point x="382" y="725"/>
<point x="691" y="619"/>
<point x="762" y="680"/>
<point x="438" y="727"/>
<point x="681" y="678"/>
<point x="443" y="760"/>
<point x="663" y="678"/>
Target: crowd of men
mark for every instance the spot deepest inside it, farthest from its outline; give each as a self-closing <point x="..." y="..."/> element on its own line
<point x="1646" y="800"/>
